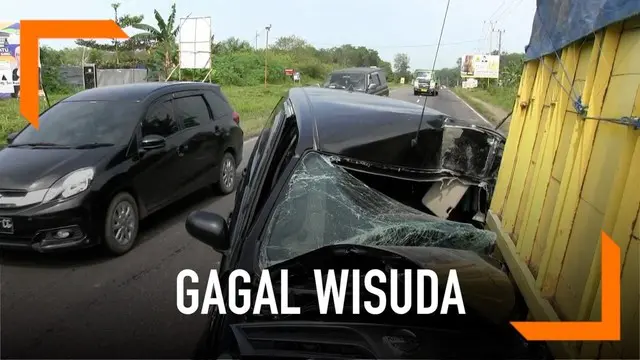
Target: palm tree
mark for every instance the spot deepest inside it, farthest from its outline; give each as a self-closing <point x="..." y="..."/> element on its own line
<point x="163" y="37"/>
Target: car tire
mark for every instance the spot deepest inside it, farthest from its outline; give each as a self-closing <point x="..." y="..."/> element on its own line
<point x="227" y="177"/>
<point x="415" y="93"/>
<point x="121" y="224"/>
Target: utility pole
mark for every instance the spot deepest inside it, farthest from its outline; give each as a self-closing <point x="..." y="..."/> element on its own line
<point x="492" y="29"/>
<point x="266" y="48"/>
<point x="257" y="36"/>
<point x="115" y="7"/>
<point x="500" y="32"/>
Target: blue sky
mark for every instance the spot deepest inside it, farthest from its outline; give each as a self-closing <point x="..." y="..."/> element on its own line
<point x="392" y="26"/>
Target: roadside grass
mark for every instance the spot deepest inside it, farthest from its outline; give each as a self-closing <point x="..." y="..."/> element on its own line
<point x="253" y="103"/>
<point x="471" y="96"/>
<point x="500" y="96"/>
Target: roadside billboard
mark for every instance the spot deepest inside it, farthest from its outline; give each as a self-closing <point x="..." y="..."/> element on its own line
<point x="10" y="60"/>
<point x="480" y="66"/>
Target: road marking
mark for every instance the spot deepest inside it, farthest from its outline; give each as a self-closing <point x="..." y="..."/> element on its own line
<point x="472" y="109"/>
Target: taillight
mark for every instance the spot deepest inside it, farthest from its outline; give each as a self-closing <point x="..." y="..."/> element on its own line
<point x="236" y="117"/>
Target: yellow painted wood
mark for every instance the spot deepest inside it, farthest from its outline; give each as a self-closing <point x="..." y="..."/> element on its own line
<point x="581" y="177"/>
<point x="538" y="307"/>
<point x="546" y="157"/>
<point x="625" y="231"/>
<point x="527" y="142"/>
<point x="515" y="131"/>
<point x="629" y="138"/>
<point x="583" y="139"/>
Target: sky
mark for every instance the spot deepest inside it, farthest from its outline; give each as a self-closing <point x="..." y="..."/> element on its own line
<point x="391" y="26"/>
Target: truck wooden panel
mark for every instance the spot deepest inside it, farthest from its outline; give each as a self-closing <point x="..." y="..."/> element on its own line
<point x="566" y="175"/>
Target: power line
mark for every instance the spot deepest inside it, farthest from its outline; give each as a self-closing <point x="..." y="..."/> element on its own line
<point x="498" y="9"/>
<point x="402" y="46"/>
<point x="508" y="9"/>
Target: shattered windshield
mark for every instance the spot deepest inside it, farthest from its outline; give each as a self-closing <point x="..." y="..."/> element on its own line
<point x="323" y="204"/>
<point x="346" y="81"/>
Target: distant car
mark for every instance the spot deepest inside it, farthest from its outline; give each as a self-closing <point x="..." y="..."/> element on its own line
<point x="425" y="86"/>
<point x="360" y="79"/>
<point x="336" y="181"/>
<point x="107" y="157"/>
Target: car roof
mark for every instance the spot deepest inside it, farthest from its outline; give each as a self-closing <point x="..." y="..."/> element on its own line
<point x="333" y="117"/>
<point x="358" y="70"/>
<point x="136" y="92"/>
<point x="373" y="129"/>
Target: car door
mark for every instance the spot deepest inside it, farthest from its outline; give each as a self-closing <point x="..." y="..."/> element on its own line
<point x="201" y="142"/>
<point x="375" y="80"/>
<point x="384" y="86"/>
<point x="158" y="171"/>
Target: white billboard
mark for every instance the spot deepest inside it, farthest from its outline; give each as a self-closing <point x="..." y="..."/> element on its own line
<point x="480" y="66"/>
<point x="195" y="43"/>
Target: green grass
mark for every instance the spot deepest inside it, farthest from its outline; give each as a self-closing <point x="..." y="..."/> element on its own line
<point x="499" y="96"/>
<point x="253" y="103"/>
<point x="467" y="96"/>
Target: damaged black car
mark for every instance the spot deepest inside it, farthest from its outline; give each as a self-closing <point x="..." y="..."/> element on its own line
<point x="350" y="181"/>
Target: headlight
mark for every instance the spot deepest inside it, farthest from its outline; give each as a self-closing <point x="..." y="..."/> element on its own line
<point x="71" y="184"/>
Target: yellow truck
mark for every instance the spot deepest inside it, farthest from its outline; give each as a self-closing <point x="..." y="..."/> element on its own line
<point x="570" y="175"/>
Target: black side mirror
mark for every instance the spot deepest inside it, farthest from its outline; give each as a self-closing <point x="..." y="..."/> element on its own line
<point x="151" y="142"/>
<point x="209" y="228"/>
<point x="11" y="137"/>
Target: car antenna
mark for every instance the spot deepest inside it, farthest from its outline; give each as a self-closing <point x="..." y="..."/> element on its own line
<point x="414" y="141"/>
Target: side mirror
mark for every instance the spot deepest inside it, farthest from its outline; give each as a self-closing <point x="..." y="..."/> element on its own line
<point x="11" y="137"/>
<point x="210" y="229"/>
<point x="152" y="142"/>
<point x="372" y="86"/>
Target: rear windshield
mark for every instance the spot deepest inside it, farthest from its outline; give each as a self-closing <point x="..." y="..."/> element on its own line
<point x="73" y="123"/>
<point x="346" y="80"/>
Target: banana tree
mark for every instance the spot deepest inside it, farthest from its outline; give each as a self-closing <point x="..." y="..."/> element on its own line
<point x="163" y="38"/>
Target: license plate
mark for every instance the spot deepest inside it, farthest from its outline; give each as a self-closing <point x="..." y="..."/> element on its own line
<point x="6" y="225"/>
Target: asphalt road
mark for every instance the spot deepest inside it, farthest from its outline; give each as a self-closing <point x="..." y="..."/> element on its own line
<point x="86" y="305"/>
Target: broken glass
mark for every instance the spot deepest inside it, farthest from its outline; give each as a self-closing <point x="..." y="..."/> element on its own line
<point x="323" y="204"/>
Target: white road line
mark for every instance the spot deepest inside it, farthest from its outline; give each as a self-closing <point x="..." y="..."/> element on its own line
<point x="472" y="109"/>
<point x="251" y="140"/>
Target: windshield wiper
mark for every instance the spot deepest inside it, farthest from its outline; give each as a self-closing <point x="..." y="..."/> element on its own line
<point x="93" y="145"/>
<point x="43" y="144"/>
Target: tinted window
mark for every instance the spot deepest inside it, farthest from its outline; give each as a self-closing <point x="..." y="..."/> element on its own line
<point x="191" y="111"/>
<point x="160" y="120"/>
<point x="83" y="122"/>
<point x="219" y="106"/>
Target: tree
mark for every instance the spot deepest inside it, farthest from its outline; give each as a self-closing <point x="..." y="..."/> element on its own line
<point x="401" y="63"/>
<point x="231" y="45"/>
<point x="116" y="46"/>
<point x="162" y="38"/>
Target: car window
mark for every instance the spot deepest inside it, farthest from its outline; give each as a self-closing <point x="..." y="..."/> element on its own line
<point x="376" y="78"/>
<point x="73" y="123"/>
<point x="219" y="105"/>
<point x="191" y="111"/>
<point x="160" y="120"/>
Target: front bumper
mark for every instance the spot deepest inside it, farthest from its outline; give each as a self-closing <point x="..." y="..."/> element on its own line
<point x="423" y="90"/>
<point x="39" y="227"/>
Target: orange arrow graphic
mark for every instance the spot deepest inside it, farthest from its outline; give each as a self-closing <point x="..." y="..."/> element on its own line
<point x="31" y="31"/>
<point x="607" y="329"/>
